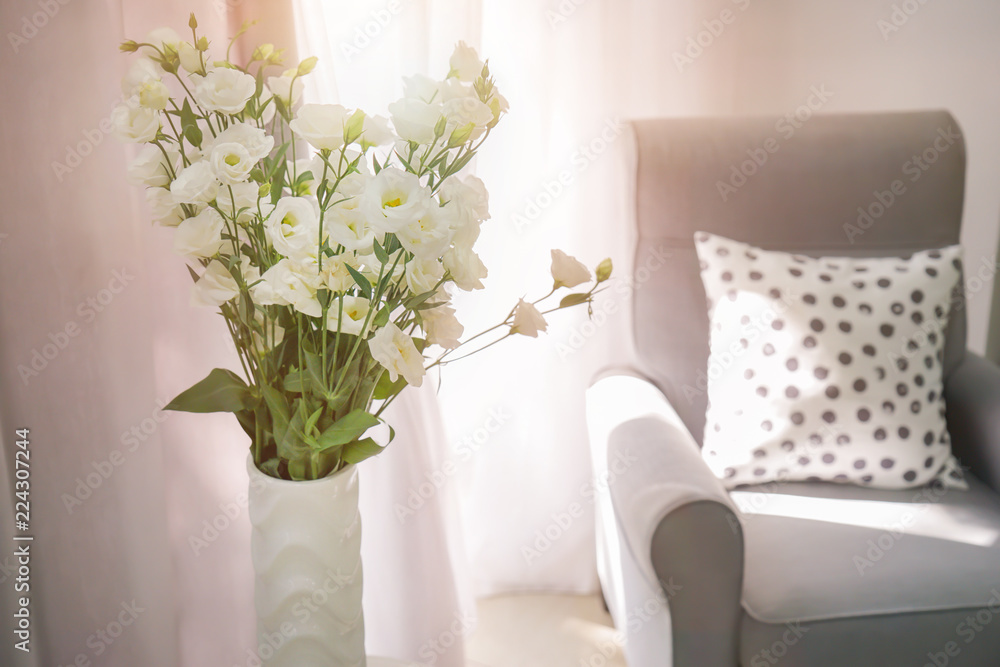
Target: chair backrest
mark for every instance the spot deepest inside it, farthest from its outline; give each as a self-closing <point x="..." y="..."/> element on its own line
<point x="883" y="184"/>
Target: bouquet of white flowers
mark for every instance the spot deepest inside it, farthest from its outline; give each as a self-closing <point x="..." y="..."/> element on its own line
<point x="331" y="266"/>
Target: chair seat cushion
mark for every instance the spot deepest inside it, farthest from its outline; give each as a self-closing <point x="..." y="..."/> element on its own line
<point x="855" y="565"/>
<point x="822" y="551"/>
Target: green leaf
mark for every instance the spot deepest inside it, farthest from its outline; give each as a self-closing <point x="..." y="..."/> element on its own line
<point x="413" y="303"/>
<point x="381" y="318"/>
<point x="359" y="450"/>
<point x="270" y="467"/>
<point x="391" y="243"/>
<point x="363" y="284"/>
<point x="280" y="414"/>
<point x="349" y="427"/>
<point x="189" y="124"/>
<point x="222" y="391"/>
<point x="380" y="252"/>
<point x="385" y="387"/>
<point x="574" y="300"/>
<point x="311" y="421"/>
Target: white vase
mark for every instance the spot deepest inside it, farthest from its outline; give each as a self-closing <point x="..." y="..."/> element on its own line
<point x="306" y="550"/>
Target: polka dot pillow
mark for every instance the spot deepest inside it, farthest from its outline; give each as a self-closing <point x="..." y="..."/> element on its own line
<point x="827" y="369"/>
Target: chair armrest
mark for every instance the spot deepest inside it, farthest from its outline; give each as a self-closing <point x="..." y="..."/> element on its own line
<point x="676" y="518"/>
<point x="972" y="397"/>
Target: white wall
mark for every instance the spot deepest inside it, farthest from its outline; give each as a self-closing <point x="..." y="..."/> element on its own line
<point x="945" y="55"/>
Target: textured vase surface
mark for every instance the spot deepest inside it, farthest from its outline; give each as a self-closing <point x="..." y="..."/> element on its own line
<point x="306" y="550"/>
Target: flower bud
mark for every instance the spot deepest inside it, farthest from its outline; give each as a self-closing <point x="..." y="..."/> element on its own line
<point x="307" y="65"/>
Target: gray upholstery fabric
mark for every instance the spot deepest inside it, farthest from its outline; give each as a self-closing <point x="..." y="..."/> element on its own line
<point x="895" y="640"/>
<point x="972" y="393"/>
<point x="697" y="545"/>
<point x="798" y="200"/>
<point x="698" y="548"/>
<point x="851" y="551"/>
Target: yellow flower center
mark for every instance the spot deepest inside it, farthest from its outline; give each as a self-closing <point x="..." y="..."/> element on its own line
<point x="393" y="203"/>
<point x="232" y="160"/>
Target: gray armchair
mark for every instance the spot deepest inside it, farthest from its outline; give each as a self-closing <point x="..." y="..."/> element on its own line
<point x="791" y="574"/>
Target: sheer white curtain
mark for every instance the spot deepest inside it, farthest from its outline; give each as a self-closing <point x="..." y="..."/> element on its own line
<point x="513" y="416"/>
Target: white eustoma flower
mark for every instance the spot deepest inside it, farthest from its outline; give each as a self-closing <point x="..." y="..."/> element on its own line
<point x="231" y="162"/>
<point x="466" y="269"/>
<point x="143" y="82"/>
<point x="288" y="283"/>
<point x="163" y="209"/>
<point x="235" y="198"/>
<point x="376" y="132"/>
<point x="527" y="320"/>
<point x="422" y="87"/>
<point x="442" y="327"/>
<point x="371" y="266"/>
<point x="257" y="142"/>
<point x="395" y="198"/>
<point x="430" y="234"/>
<point x="201" y="235"/>
<point x="322" y="125"/>
<point x="223" y="89"/>
<point x="347" y="225"/>
<point x="273" y="333"/>
<point x="397" y="354"/>
<point x="151" y="168"/>
<point x="161" y="38"/>
<point x="335" y="276"/>
<point x="568" y="271"/>
<point x="472" y="206"/>
<point x="415" y="119"/>
<point x="349" y="318"/>
<point x="190" y="58"/>
<point x="466" y="110"/>
<point x="195" y="184"/>
<point x="133" y="123"/>
<point x="283" y="88"/>
<point x="293" y="227"/>
<point x="215" y="287"/>
<point x="423" y="275"/>
<point x="465" y="62"/>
